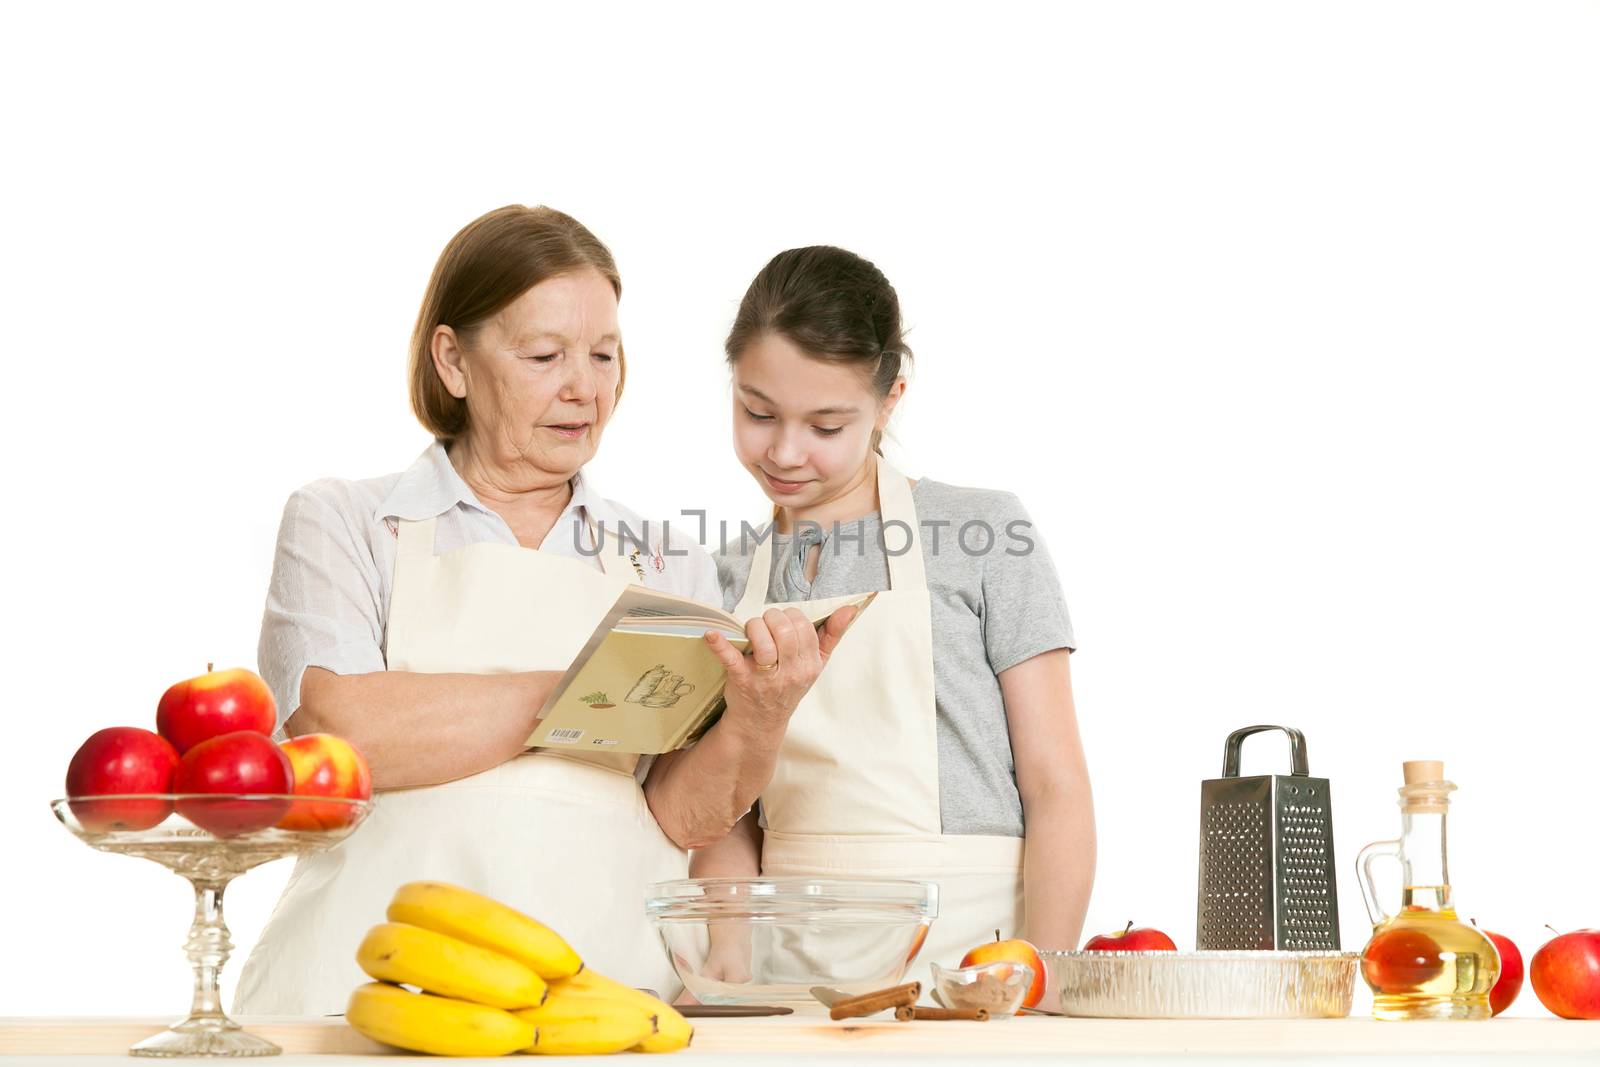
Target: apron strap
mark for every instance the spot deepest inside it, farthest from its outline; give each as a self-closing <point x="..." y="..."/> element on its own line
<point x="755" y="587"/>
<point x="416" y="538"/>
<point x="906" y="570"/>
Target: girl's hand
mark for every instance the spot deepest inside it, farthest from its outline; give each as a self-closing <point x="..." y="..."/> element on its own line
<point x="786" y="654"/>
<point x="730" y="954"/>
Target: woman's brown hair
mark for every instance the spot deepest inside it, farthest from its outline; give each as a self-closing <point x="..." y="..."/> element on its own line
<point x="831" y="304"/>
<point x="493" y="260"/>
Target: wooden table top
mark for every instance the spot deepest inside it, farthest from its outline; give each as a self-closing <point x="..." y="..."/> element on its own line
<point x="803" y="1037"/>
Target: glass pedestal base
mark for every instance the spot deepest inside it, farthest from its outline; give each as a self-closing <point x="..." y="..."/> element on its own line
<point x="209" y="839"/>
<point x="200" y="1036"/>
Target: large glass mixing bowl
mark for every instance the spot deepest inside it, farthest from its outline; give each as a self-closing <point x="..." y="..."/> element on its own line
<point x="771" y="940"/>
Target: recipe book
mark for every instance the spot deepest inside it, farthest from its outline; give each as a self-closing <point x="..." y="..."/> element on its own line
<point x="646" y="681"/>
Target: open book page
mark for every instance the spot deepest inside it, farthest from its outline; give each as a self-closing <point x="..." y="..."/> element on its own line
<point x="638" y="605"/>
<point x="638" y="692"/>
<point x="645" y="682"/>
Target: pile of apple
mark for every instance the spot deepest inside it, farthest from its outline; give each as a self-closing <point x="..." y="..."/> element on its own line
<point x="212" y="743"/>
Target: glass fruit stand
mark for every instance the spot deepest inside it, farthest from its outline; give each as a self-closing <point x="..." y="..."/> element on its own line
<point x="209" y="839"/>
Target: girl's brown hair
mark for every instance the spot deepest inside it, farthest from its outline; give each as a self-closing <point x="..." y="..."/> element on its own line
<point x="833" y="305"/>
<point x="493" y="260"/>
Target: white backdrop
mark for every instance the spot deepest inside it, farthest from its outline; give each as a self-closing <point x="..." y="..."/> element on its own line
<point x="1281" y="318"/>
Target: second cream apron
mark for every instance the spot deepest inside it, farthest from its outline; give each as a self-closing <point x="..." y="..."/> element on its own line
<point x="567" y="839"/>
<point x="856" y="790"/>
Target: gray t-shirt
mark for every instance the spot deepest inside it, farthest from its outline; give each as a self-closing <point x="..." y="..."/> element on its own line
<point x="993" y="607"/>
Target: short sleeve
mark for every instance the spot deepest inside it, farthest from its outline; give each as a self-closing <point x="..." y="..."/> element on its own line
<point x="1024" y="610"/>
<point x="324" y="601"/>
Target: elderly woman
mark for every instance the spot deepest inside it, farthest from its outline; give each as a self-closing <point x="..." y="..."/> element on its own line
<point x="425" y="616"/>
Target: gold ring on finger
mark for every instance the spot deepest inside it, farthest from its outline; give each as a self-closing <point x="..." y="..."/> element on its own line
<point x="766" y="666"/>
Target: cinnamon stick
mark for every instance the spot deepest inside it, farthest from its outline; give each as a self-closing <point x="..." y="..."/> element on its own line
<point x="900" y="996"/>
<point x="979" y="1015"/>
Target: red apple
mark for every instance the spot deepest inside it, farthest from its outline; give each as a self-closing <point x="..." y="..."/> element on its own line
<point x="1399" y="959"/>
<point x="1509" y="984"/>
<point x="1565" y="973"/>
<point x="213" y="704"/>
<point x="1014" y="950"/>
<point x="1129" y="939"/>
<point x="241" y="762"/>
<point x="324" y="766"/>
<point x="121" y="760"/>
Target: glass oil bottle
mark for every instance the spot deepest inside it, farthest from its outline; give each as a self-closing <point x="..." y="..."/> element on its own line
<point x="1423" y="962"/>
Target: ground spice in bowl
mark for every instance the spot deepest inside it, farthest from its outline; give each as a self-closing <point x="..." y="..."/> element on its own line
<point x="997" y="988"/>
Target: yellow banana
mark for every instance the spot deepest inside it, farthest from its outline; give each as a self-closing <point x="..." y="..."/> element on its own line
<point x="672" y="1029"/>
<point x="422" y="1022"/>
<point x="579" y="1025"/>
<point x="471" y="917"/>
<point x="410" y="955"/>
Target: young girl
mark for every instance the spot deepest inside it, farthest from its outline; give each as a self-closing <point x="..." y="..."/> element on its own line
<point x="940" y="742"/>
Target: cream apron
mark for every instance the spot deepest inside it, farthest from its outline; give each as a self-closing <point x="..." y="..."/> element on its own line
<point x="567" y="839"/>
<point x="856" y="790"/>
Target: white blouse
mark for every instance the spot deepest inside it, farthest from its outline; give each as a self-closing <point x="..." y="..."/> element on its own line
<point x="333" y="574"/>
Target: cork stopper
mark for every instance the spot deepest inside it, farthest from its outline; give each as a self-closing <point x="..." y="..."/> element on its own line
<point x="1426" y="792"/>
<point x="1418" y="771"/>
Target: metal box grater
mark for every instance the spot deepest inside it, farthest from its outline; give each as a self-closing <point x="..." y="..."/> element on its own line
<point x="1266" y="856"/>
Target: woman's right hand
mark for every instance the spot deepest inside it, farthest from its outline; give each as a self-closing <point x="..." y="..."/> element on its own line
<point x="786" y="654"/>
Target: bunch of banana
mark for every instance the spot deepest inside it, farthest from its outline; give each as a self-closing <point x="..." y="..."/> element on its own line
<point x="494" y="981"/>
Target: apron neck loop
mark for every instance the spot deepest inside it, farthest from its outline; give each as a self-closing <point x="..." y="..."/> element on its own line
<point x="901" y="539"/>
<point x="415" y="537"/>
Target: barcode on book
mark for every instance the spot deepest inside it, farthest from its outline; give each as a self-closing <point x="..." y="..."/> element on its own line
<point x="564" y="737"/>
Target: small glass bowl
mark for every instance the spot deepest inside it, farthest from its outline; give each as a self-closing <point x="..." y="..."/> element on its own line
<point x="771" y="940"/>
<point x="997" y="987"/>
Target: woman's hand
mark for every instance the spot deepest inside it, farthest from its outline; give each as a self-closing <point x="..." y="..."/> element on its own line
<point x="786" y="654"/>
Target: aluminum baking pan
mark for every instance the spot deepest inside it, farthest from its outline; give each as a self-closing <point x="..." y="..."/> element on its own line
<point x="1204" y="985"/>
